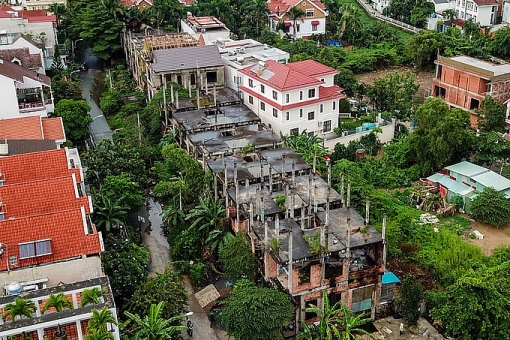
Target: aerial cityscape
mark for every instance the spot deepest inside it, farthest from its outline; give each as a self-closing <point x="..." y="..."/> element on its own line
<point x="254" y="169"/>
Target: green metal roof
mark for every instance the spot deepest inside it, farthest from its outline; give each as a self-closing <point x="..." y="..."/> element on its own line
<point x="492" y="179"/>
<point x="466" y="169"/>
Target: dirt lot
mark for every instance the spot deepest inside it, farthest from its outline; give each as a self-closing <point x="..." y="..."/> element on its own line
<point x="424" y="78"/>
<point x="493" y="237"/>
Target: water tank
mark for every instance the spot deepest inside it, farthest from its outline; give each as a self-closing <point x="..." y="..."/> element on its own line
<point x="240" y="60"/>
<point x="13" y="288"/>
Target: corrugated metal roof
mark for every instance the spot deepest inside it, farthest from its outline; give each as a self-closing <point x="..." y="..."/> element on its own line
<point x="466" y="169"/>
<point x="492" y="179"/>
<point x="184" y="58"/>
<point x="389" y="277"/>
<point x="450" y="184"/>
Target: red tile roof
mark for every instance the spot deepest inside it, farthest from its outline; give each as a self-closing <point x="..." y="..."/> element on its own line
<point x="27" y="60"/>
<point x="21" y="128"/>
<point x="285" y="77"/>
<point x="53" y="128"/>
<point x="4" y="14"/>
<point x="312" y="68"/>
<point x="36" y="166"/>
<point x="486" y="2"/>
<point x="325" y="93"/>
<point x="45" y="18"/>
<point x="282" y="6"/>
<point x="32" y="13"/>
<point x="40" y="197"/>
<point x="17" y="72"/>
<point x="32" y="127"/>
<point x="65" y="229"/>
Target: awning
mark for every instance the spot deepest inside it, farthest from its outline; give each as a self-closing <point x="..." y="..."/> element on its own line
<point x="288" y="24"/>
<point x="315" y="22"/>
<point x="389" y="277"/>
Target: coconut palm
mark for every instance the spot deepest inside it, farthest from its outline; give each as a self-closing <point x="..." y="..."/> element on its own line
<point x="206" y="216"/>
<point x="58" y="301"/>
<point x="100" y="319"/>
<point x="108" y="213"/>
<point x="331" y="325"/>
<point x="19" y="308"/>
<point x="173" y="215"/>
<point x="153" y="326"/>
<point x="295" y="14"/>
<point x="349" y="18"/>
<point x="96" y="335"/>
<point x="91" y="296"/>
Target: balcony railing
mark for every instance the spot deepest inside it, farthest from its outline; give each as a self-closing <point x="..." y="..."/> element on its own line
<point x="37" y="105"/>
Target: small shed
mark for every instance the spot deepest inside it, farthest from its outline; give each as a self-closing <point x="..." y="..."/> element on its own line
<point x="389" y="285"/>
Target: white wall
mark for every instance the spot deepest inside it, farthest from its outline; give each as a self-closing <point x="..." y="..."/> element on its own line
<point x="388" y="132"/>
<point x="67" y="272"/>
<point x="20" y="25"/>
<point x="8" y="98"/>
<point x="22" y="43"/>
<point x="506" y="12"/>
<point x="41" y="4"/>
<point x="305" y="27"/>
<point x="482" y="15"/>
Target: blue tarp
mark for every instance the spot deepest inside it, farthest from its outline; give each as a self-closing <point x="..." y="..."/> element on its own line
<point x="333" y="43"/>
<point x="389" y="277"/>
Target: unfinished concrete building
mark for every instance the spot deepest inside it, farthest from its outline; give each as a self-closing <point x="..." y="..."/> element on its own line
<point x="306" y="237"/>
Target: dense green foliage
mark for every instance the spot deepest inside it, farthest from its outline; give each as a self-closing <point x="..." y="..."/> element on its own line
<point x="154" y="325"/>
<point x="255" y="313"/>
<point x="492" y="115"/>
<point x="165" y="287"/>
<point x="126" y="265"/>
<point x="310" y="148"/>
<point x="409" y="299"/>
<point x="491" y="206"/>
<point x="237" y="260"/>
<point x="76" y="118"/>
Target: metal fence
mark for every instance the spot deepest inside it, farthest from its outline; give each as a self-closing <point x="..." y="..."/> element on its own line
<point x="399" y="24"/>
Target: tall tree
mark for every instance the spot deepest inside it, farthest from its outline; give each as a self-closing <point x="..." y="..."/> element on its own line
<point x="237" y="259"/>
<point x="490" y="148"/>
<point x="153" y="326"/>
<point x="501" y="43"/>
<point x="295" y="14"/>
<point x="441" y="137"/>
<point x="492" y="115"/>
<point x="75" y="117"/>
<point x="423" y="48"/>
<point x="349" y="19"/>
<point x="255" y="313"/>
<point x="409" y="299"/>
<point x="124" y="191"/>
<point x="206" y="216"/>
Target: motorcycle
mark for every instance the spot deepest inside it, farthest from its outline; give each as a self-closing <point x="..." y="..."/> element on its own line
<point x="189" y="324"/>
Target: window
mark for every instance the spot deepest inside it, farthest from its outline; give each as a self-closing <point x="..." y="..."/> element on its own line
<point x="287" y="115"/>
<point x="275" y="113"/>
<point x="470" y="5"/>
<point x="193" y="78"/>
<point x="13" y="260"/>
<point x="250" y="99"/>
<point x="294" y="132"/>
<point x="300" y="113"/>
<point x="300" y="95"/>
<point x="309" y="13"/>
<point x="263" y="106"/>
<point x="326" y="126"/>
<point x="250" y="82"/>
<point x="212" y="77"/>
<point x="310" y="303"/>
<point x="275" y="95"/>
<point x="321" y="108"/>
<point x="334" y="106"/>
<point x="311" y="115"/>
<point x="179" y="79"/>
<point x="314" y="27"/>
<point x="311" y="93"/>
<point x="34" y="249"/>
<point x="287" y="97"/>
<point x="262" y="88"/>
<point x="362" y="298"/>
<point x="311" y="134"/>
<point x="297" y="27"/>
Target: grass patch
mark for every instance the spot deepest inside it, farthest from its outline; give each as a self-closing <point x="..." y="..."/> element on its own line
<point x="350" y="123"/>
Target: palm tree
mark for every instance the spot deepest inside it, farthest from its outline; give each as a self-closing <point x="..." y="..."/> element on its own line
<point x="206" y="216"/>
<point x="349" y="17"/>
<point x="217" y="238"/>
<point x="331" y="326"/>
<point x="153" y="326"/>
<point x="96" y="335"/>
<point x="173" y="215"/>
<point x="295" y="13"/>
<point x="108" y="213"/>
<point x="59" y="10"/>
<point x="59" y="302"/>
<point x="100" y="319"/>
<point x="19" y="308"/>
<point x="91" y="296"/>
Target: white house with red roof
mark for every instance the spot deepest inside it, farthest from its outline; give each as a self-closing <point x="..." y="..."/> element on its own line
<point x="484" y="12"/>
<point x="24" y="92"/>
<point x="293" y="97"/>
<point x="313" y="21"/>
